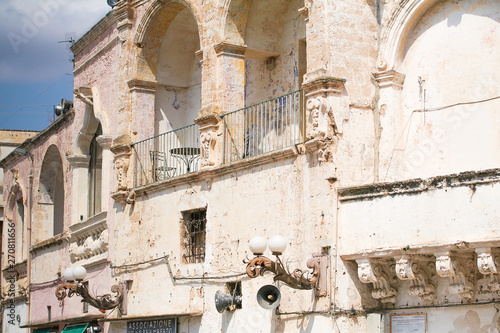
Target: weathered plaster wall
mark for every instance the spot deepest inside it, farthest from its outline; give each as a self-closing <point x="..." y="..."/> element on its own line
<point x="452" y="52"/>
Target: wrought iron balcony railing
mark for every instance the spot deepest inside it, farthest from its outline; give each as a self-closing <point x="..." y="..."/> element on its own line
<point x="167" y="155"/>
<point x="264" y="127"/>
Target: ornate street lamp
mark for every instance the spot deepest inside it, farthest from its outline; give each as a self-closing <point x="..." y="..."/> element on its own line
<point x="298" y="279"/>
<point x="72" y="287"/>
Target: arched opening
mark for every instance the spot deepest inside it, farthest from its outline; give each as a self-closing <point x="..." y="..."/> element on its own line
<point x="178" y="74"/>
<point x="275" y="36"/>
<point x="447" y="94"/>
<point x="50" y="203"/>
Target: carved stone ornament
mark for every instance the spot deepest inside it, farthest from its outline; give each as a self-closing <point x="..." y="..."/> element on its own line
<point x="449" y="267"/>
<point x="487" y="262"/>
<point x="207" y="144"/>
<point x="406" y="269"/>
<point x="316" y="107"/>
<point x="93" y="245"/>
<point x="122" y="152"/>
<point x="369" y="272"/>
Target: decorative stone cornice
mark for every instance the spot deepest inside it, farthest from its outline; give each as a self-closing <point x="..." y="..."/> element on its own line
<point x="207" y="120"/>
<point x="419" y="185"/>
<point x="389" y="78"/>
<point x="324" y="85"/>
<point x="93" y="34"/>
<point x="225" y="48"/>
<point x="78" y="161"/>
<point x="123" y="13"/>
<point x="142" y="85"/>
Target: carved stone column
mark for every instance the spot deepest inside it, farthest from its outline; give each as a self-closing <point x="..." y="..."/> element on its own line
<point x="371" y="272"/>
<point x="488" y="262"/>
<point x="230" y="76"/>
<point x="211" y="145"/>
<point x="421" y="287"/>
<point x="455" y="269"/>
<point x="122" y="151"/>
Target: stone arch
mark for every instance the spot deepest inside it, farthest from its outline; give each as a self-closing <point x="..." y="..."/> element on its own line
<point x="153" y="26"/>
<point x="233" y="24"/>
<point x="50" y="203"/>
<point x="400" y="25"/>
<point x="94" y="115"/>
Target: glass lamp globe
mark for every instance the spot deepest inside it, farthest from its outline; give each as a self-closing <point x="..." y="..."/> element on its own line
<point x="257" y="245"/>
<point x="277" y="244"/>
<point x="68" y="274"/>
<point x="79" y="273"/>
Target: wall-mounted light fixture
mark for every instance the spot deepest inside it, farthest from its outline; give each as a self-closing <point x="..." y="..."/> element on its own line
<point x="298" y="279"/>
<point x="74" y="285"/>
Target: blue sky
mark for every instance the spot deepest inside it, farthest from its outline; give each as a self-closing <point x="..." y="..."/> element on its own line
<point x="35" y="69"/>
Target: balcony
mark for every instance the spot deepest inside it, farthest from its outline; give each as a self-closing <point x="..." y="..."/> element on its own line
<point x="251" y="131"/>
<point x="167" y="155"/>
<point x="264" y="127"/>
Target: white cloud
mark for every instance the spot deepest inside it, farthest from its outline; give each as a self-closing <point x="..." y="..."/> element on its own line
<point x="31" y="30"/>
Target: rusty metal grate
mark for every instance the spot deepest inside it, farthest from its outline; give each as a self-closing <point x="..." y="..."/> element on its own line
<point x="195" y="222"/>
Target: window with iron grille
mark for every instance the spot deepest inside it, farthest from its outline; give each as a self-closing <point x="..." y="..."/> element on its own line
<point x="195" y="222"/>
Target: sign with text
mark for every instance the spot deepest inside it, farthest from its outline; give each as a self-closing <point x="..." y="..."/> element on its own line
<point x="168" y="325"/>
<point x="409" y="323"/>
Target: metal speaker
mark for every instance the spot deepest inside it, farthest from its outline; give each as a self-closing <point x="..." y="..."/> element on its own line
<point x="269" y="297"/>
<point x="223" y="301"/>
<point x="66" y="105"/>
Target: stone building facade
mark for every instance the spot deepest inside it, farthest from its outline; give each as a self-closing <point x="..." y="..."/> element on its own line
<point x="364" y="132"/>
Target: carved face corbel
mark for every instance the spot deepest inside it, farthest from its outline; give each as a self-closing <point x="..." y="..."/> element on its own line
<point x="486" y="261"/>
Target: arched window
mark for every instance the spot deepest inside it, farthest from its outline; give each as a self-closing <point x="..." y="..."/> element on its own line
<point x="95" y="174"/>
<point x="50" y="203"/>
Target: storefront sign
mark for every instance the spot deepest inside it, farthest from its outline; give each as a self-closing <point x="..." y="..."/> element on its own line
<point x="168" y="325"/>
<point x="408" y="323"/>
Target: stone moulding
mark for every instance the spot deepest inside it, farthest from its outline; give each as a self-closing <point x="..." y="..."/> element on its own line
<point x="468" y="178"/>
<point x="89" y="238"/>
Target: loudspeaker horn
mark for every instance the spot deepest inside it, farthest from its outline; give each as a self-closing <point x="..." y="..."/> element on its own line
<point x="269" y="297"/>
<point x="223" y="301"/>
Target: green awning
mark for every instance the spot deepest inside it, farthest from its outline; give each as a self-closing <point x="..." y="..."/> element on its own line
<point x="43" y="330"/>
<point x="75" y="328"/>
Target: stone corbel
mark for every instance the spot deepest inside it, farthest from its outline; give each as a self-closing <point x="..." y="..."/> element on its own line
<point x="233" y="50"/>
<point x="371" y="272"/>
<point x="324" y="106"/>
<point x="488" y="265"/>
<point x="448" y="267"/>
<point x="209" y="126"/>
<point x="406" y="269"/>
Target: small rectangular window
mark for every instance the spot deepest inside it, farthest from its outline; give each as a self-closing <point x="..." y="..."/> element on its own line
<point x="194" y="235"/>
